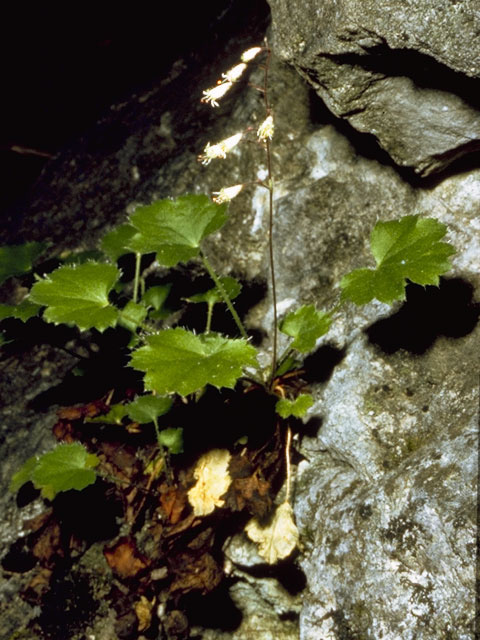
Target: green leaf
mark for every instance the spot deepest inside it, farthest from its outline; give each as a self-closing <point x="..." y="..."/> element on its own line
<point x="177" y="361"/>
<point x="132" y="315"/>
<point x="22" y="311"/>
<point x="172" y="439"/>
<point x="23" y="475"/>
<point x="18" y="259"/>
<point x="289" y="364"/>
<point x="405" y="248"/>
<point x="68" y="466"/>
<point x="114" y="416"/>
<point x="297" y="408"/>
<point x="305" y="325"/>
<point x="146" y="409"/>
<point x="116" y="242"/>
<point x="155" y="296"/>
<point x="175" y="228"/>
<point x="79" y="295"/>
<point x="213" y="296"/>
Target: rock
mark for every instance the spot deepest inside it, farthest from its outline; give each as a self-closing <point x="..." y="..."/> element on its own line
<point x="399" y="71"/>
<point x="385" y="495"/>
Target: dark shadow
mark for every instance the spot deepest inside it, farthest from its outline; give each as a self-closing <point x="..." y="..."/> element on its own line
<point x="19" y="558"/>
<point x="191" y="279"/>
<point x="214" y="610"/>
<point x="320" y="364"/>
<point x="105" y="368"/>
<point x="220" y="418"/>
<point x="67" y="69"/>
<point x="312" y="427"/>
<point x="68" y="606"/>
<point x="428" y="313"/>
<point x="91" y="515"/>
<point x="288" y="574"/>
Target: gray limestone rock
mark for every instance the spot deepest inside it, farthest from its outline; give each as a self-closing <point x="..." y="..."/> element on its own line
<point x="401" y="71"/>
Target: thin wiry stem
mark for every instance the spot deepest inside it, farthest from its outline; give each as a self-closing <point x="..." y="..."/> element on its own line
<point x="138" y="259"/>
<point x="269" y="185"/>
<point x="287" y="463"/>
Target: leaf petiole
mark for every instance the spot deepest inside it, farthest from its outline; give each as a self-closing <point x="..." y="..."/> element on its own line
<point x="138" y="259"/>
<point x="224" y="295"/>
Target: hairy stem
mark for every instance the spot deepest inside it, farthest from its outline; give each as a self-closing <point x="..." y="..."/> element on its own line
<point x="209" y="317"/>
<point x="224" y="295"/>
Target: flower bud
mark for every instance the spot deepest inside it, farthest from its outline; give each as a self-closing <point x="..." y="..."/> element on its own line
<point x="250" y="54"/>
<point x="220" y="149"/>
<point x="215" y="93"/>
<point x="235" y="73"/>
<point x="227" y="193"/>
<point x="265" y="130"/>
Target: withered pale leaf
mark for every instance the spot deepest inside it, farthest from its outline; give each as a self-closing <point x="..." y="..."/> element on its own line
<point x="279" y="538"/>
<point x="213" y="480"/>
<point x="143" y="609"/>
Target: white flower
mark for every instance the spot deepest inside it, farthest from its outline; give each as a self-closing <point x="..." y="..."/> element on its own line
<point x="227" y="193"/>
<point x="250" y="54"/>
<point x="235" y="73"/>
<point x="215" y="93"/>
<point x="220" y="149"/>
<point x="265" y="130"/>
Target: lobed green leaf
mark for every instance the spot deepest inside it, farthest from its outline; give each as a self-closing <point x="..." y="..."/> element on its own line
<point x="68" y="466"/>
<point x="23" y="475"/>
<point x="146" y="409"/>
<point x="174" y="229"/>
<point x="403" y="249"/>
<point x="297" y="408"/>
<point x="305" y="326"/>
<point x="132" y="316"/>
<point x="16" y="260"/>
<point x="22" y="311"/>
<point x="172" y="439"/>
<point x="78" y="295"/>
<point x="115" y="243"/>
<point x="178" y="361"/>
<point x="155" y="297"/>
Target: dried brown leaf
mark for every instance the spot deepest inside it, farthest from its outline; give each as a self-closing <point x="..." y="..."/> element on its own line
<point x="193" y="573"/>
<point x="251" y="493"/>
<point x="125" y="559"/>
<point x="172" y="501"/>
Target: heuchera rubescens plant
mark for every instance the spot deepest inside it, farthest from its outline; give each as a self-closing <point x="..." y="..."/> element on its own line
<point x="175" y="361"/>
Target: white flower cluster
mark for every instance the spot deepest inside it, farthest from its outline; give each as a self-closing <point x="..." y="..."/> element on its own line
<point x="227" y="193"/>
<point x="213" y="95"/>
<point x="220" y="149"/>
